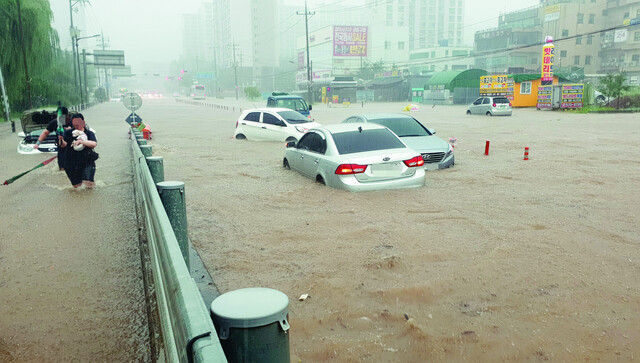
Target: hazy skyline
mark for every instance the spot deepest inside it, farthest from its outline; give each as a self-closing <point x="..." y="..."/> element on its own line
<point x="151" y="35"/>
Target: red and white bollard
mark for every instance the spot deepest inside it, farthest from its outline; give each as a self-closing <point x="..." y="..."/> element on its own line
<point x="526" y="153"/>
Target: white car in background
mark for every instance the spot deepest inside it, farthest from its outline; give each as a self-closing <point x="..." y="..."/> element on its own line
<point x="272" y="124"/>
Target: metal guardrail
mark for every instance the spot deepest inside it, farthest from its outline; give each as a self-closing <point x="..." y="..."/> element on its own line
<point x="187" y="330"/>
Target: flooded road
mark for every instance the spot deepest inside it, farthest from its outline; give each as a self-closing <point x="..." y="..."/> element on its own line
<point x="494" y="259"/>
<point x="70" y="273"/>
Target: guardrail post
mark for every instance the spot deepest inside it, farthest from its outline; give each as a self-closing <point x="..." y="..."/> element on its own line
<point x="156" y="168"/>
<point x="173" y="199"/>
<point x="142" y="142"/>
<point x="146" y="150"/>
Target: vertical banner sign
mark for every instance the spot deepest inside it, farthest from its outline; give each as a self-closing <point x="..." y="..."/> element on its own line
<point x="547" y="63"/>
<point x="350" y="41"/>
<point x="544" y="97"/>
<point x="572" y="95"/>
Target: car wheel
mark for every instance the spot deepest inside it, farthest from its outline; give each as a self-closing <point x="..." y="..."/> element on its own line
<point x="241" y="137"/>
<point x="468" y="112"/>
<point x="285" y="163"/>
<point x="489" y="113"/>
<point x="290" y="139"/>
<point x="320" y="179"/>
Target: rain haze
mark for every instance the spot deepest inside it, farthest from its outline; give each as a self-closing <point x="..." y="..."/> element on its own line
<point x="151" y="33"/>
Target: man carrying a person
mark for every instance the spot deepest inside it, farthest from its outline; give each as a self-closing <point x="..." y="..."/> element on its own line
<point x="79" y="165"/>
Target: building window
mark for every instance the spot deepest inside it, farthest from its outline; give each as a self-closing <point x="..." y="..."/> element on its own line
<point x="592" y="18"/>
<point x="400" y="45"/>
<point x="626" y="15"/>
<point x="587" y="60"/>
<point x="563" y="53"/>
<point x="565" y="32"/>
<point x="576" y="60"/>
<point x="525" y="88"/>
<point x="579" y="40"/>
<point x="635" y="57"/>
<point x="590" y="39"/>
<point x="387" y="44"/>
<point x="636" y="36"/>
<point x="580" y="18"/>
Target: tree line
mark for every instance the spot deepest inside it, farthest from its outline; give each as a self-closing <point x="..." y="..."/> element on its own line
<point x="37" y="73"/>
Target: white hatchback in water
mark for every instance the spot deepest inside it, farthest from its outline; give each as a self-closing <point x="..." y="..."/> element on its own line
<point x="490" y="106"/>
<point x="272" y="124"/>
<point x="356" y="157"/>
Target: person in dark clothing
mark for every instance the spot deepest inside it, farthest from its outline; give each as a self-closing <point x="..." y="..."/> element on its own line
<point x="78" y="166"/>
<point x="58" y="125"/>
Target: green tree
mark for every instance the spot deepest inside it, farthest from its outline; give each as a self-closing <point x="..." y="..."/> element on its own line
<point x="50" y="69"/>
<point x="253" y="94"/>
<point x="612" y="85"/>
<point x="370" y="69"/>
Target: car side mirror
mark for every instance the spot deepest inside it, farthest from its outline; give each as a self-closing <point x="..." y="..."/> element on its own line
<point x="432" y="131"/>
<point x="310" y="107"/>
<point x="291" y="144"/>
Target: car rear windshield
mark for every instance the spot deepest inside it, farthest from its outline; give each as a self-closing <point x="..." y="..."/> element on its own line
<point x="368" y="140"/>
<point x="500" y="100"/>
<point x="403" y="127"/>
<point x="294" y="117"/>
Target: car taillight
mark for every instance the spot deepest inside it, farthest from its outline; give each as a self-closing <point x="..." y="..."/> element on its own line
<point x="413" y="162"/>
<point x="345" y="169"/>
<point x="494" y="105"/>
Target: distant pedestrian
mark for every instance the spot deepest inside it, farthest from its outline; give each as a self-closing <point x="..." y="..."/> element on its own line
<point x="79" y="164"/>
<point x="57" y="125"/>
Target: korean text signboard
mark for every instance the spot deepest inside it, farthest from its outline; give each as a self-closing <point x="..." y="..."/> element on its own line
<point x="545" y="94"/>
<point x="547" y="63"/>
<point x="498" y="85"/>
<point x="572" y="96"/>
<point x="350" y="41"/>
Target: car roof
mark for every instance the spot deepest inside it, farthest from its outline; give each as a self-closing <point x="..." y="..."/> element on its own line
<point x="268" y="109"/>
<point x="378" y="116"/>
<point x="337" y="128"/>
<point x="285" y="96"/>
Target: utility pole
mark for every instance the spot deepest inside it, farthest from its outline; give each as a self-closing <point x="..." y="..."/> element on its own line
<point x="72" y="32"/>
<point x="235" y="67"/>
<point x="24" y="55"/>
<point x="306" y="24"/>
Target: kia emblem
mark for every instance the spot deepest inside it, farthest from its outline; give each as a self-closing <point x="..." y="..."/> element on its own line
<point x="386" y="158"/>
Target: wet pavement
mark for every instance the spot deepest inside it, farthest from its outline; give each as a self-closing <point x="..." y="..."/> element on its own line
<point x="71" y="286"/>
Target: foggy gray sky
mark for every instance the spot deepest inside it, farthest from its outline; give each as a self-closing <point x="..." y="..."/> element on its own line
<point x="150" y="31"/>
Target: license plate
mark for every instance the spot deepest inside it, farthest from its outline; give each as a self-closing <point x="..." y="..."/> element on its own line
<point x="386" y="169"/>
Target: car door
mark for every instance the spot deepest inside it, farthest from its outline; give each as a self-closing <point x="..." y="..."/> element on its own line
<point x="296" y="162"/>
<point x="475" y="107"/>
<point x="486" y="105"/>
<point x="273" y="128"/>
<point x="250" y="125"/>
<point x="312" y="156"/>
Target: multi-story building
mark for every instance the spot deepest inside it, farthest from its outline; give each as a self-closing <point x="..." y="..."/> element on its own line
<point x="580" y="42"/>
<point x="621" y="47"/>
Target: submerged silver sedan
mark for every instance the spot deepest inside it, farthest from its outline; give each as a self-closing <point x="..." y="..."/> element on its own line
<point x="355" y="157"/>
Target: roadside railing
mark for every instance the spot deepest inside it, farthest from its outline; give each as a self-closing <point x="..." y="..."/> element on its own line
<point x="187" y="330"/>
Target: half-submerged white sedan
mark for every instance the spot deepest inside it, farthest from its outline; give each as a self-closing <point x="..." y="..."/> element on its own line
<point x="356" y="157"/>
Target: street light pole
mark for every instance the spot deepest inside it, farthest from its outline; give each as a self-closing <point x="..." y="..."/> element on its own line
<point x="235" y="67"/>
<point x="78" y="61"/>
